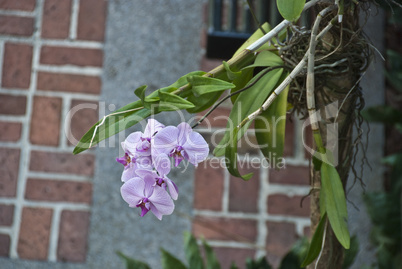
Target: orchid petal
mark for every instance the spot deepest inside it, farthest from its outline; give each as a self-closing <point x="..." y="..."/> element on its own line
<point x="156" y="212"/>
<point x="162" y="201"/>
<point x="184" y="130"/>
<point x="133" y="191"/>
<point x="149" y="185"/>
<point x="165" y="140"/>
<point x="152" y="127"/>
<point x="128" y="174"/>
<point x="196" y="148"/>
<point x="162" y="164"/>
<point x="144" y="172"/>
<point x="130" y="144"/>
<point x="174" y="192"/>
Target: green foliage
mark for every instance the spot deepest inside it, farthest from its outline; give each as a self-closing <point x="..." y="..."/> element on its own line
<point x="383" y="114"/>
<point x="394" y="73"/>
<point x="270" y="127"/>
<point x="290" y="9"/>
<point x="260" y="263"/>
<point x="211" y="259"/>
<point x="292" y="260"/>
<point x="351" y="253"/>
<point x="131" y="263"/>
<point x="171" y="262"/>
<point x="335" y="203"/>
<point x="203" y="85"/>
<point x="247" y="102"/>
<point x="172" y="102"/>
<point x="295" y="256"/>
<point x="128" y="115"/>
<point x="254" y="37"/>
<point x="316" y="242"/>
<point x="192" y="251"/>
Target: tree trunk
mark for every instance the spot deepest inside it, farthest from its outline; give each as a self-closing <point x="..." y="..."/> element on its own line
<point x="341" y="87"/>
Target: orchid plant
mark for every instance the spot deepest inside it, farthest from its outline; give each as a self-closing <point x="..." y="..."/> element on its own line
<point x="268" y="75"/>
<point x="146" y="164"/>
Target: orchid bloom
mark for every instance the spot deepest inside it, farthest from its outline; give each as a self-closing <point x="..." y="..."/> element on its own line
<point x="137" y="147"/>
<point x="143" y="193"/>
<point x="180" y="142"/>
<point x="162" y="166"/>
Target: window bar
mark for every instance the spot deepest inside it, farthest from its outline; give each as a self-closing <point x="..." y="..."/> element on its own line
<point x="233" y="16"/>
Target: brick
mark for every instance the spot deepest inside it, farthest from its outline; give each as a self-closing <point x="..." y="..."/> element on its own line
<point x="243" y="195"/>
<point x="208" y="189"/>
<point x="72" y="246"/>
<point x="281" y="237"/>
<point x="9" y="165"/>
<point x="67" y="163"/>
<point x="225" y="229"/>
<point x="227" y="256"/>
<point x="4" y="245"/>
<point x="12" y="104"/>
<point x="6" y="215"/>
<point x="71" y="56"/>
<point x="218" y="118"/>
<point x="56" y="19"/>
<point x="33" y="241"/>
<point x="289" y="138"/>
<point x="296" y="175"/>
<point x="281" y="204"/>
<point x="92" y="20"/>
<point x="86" y="115"/>
<point x="23" y="5"/>
<point x="45" y="121"/>
<point x="10" y="131"/>
<point x="58" y="191"/>
<point x="17" y="66"/>
<point x="58" y="82"/>
<point x="15" y="25"/>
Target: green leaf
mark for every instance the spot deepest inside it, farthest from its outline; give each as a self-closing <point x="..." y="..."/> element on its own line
<point x="293" y="259"/>
<point x="316" y="243"/>
<point x="290" y="9"/>
<point x="265" y="58"/>
<point x="140" y="92"/>
<point x="193" y="254"/>
<point x="254" y="37"/>
<point x="211" y="260"/>
<point x="260" y="263"/>
<point x="351" y="253"/>
<point x="130" y="114"/>
<point x="203" y="102"/>
<point x="395" y="78"/>
<point x="270" y="128"/>
<point x="132" y="263"/>
<point x="383" y="113"/>
<point x="203" y="85"/>
<point x="317" y="163"/>
<point x="233" y="266"/>
<point x="172" y="102"/>
<point x="231" y="157"/>
<point x="171" y="262"/>
<point x="241" y="82"/>
<point x="248" y="102"/>
<point x="335" y="203"/>
<point x="232" y="75"/>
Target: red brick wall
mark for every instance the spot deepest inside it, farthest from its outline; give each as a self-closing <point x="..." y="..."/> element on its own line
<point x="51" y="55"/>
<point x="255" y="218"/>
